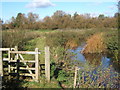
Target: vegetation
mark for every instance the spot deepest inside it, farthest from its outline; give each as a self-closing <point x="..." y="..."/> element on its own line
<point x="10" y="38"/>
<point x="60" y="20"/>
<point x="62" y="32"/>
<point x="95" y="44"/>
<point x="62" y="67"/>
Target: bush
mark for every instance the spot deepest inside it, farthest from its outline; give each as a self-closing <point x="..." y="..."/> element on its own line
<point x="95" y="44"/>
<point x="111" y="39"/>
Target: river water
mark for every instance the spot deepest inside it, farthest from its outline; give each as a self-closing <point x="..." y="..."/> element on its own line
<point x="94" y="62"/>
<point x="101" y="60"/>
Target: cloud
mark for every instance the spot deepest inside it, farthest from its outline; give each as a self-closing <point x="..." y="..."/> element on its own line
<point x="39" y="4"/>
<point x="113" y="7"/>
<point x="109" y="13"/>
<point x="95" y="14"/>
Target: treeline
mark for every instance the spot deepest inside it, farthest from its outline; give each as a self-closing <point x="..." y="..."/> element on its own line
<point x="60" y="20"/>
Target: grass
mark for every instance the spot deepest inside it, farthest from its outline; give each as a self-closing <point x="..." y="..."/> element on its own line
<point x="11" y="38"/>
<point x="43" y="84"/>
<point x="59" y="41"/>
<point x="36" y="43"/>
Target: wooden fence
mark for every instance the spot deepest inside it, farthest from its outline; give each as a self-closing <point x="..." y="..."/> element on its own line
<point x="16" y="57"/>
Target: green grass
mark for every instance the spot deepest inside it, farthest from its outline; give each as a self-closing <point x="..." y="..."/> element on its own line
<point x="36" y="43"/>
<point x="42" y="84"/>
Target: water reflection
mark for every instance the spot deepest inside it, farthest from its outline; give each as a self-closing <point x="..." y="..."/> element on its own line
<point x="95" y="60"/>
<point x="78" y="55"/>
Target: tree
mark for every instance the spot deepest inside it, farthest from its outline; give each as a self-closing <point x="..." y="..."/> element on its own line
<point x="101" y="16"/>
<point x="1" y="22"/>
<point x="116" y="15"/>
<point x="66" y="21"/>
<point x="59" y="13"/>
<point x="75" y="15"/>
<point x="48" y="23"/>
<point x="61" y="20"/>
<point x="20" y="20"/>
<point x="31" y="20"/>
<point x="57" y="19"/>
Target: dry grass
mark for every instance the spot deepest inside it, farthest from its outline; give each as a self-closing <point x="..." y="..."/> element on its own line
<point x="95" y="44"/>
<point x="71" y="44"/>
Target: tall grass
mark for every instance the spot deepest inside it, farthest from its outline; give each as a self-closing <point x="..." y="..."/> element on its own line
<point x="11" y="38"/>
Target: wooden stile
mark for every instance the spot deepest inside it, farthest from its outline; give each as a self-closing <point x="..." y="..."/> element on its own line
<point x="15" y="57"/>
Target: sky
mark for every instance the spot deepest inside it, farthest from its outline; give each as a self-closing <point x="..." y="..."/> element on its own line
<point x="48" y="7"/>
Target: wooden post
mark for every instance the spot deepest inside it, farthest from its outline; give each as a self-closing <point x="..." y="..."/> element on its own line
<point x="16" y="56"/>
<point x="36" y="65"/>
<point x="9" y="69"/>
<point x="75" y="77"/>
<point x="1" y="70"/>
<point x="83" y="78"/>
<point x="16" y="49"/>
<point x="47" y="63"/>
<point x="1" y="64"/>
<point x="18" y="68"/>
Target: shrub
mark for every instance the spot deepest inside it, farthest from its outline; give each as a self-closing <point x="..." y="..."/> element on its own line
<point x="95" y="44"/>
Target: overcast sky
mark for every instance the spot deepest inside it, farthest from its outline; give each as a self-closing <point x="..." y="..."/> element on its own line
<point x="48" y="7"/>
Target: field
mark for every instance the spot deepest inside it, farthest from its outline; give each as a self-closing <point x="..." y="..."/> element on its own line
<point x="59" y="42"/>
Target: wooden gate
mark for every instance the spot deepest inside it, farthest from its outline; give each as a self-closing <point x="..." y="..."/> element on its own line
<point x="16" y="57"/>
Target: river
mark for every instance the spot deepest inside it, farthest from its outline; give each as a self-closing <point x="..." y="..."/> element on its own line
<point x="94" y="63"/>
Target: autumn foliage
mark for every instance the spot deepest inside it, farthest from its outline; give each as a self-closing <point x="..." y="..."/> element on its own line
<point x="95" y="44"/>
<point x="71" y="44"/>
<point x="59" y="20"/>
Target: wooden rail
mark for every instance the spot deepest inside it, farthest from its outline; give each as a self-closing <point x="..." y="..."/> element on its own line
<point x="6" y="49"/>
<point x="26" y="61"/>
<point x="23" y="68"/>
<point x="24" y="52"/>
